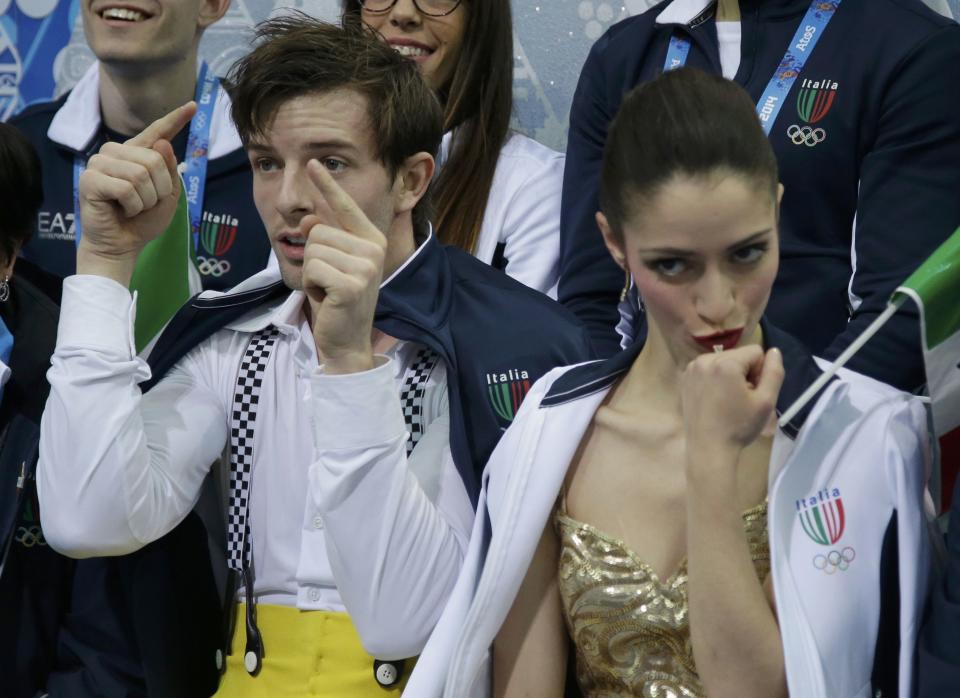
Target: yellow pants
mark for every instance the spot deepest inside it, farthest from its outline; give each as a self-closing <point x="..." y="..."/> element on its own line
<point x="307" y="654"/>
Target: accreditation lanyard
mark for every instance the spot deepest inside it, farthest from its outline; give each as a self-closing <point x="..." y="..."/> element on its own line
<point x="791" y="65"/>
<point x="195" y="159"/>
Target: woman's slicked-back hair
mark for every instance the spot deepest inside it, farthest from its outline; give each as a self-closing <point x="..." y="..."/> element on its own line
<point x="21" y="190"/>
<point x="684" y="122"/>
<point x="478" y="103"/>
<point x="296" y="55"/>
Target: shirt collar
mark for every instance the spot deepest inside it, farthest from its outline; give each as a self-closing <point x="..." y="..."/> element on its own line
<point x="77" y="123"/>
<point x="683" y="11"/>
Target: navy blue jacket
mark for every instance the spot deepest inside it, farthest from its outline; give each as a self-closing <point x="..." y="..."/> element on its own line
<point x="227" y="197"/>
<point x="890" y="163"/>
<point x="35" y="582"/>
<point x="483" y="324"/>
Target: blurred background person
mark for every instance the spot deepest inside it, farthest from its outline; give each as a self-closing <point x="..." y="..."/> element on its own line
<point x="147" y="63"/>
<point x="35" y="581"/>
<point x="497" y="192"/>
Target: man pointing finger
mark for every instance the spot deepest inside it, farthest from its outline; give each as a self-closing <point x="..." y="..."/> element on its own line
<point x="351" y="387"/>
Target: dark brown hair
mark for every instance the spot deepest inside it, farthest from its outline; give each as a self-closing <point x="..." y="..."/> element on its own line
<point x="298" y="55"/>
<point x="477" y="103"/>
<point x="21" y="190"/>
<point x="684" y="122"/>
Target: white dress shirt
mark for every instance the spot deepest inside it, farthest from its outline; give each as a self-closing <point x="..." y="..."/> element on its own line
<point x="340" y="519"/>
<point x="729" y="36"/>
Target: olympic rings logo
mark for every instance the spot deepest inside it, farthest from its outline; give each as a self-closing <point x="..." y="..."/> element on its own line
<point x="806" y="135"/>
<point x="211" y="266"/>
<point x="29" y="537"/>
<point x="835" y="560"/>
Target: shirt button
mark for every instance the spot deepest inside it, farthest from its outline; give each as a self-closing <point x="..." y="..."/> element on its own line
<point x="314" y="595"/>
<point x="318" y="522"/>
<point x="219" y="660"/>
<point x="386" y="674"/>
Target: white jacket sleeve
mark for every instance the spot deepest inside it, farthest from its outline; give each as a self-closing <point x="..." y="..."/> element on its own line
<point x="395" y="529"/>
<point x="908" y="468"/>
<point x="531" y="222"/>
<point x="117" y="469"/>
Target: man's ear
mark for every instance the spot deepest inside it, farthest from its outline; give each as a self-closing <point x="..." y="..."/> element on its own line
<point x="412" y="180"/>
<point x="211" y="11"/>
<point x="613" y="241"/>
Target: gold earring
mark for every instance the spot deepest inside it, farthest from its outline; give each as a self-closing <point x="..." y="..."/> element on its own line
<point x="626" y="286"/>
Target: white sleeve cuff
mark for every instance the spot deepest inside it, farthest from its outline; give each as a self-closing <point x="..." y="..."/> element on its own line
<point x="356" y="410"/>
<point x="97" y="313"/>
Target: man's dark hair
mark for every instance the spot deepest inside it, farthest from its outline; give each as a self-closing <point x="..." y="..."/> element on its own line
<point x="297" y="55"/>
<point x="684" y="122"/>
<point x="21" y="190"/>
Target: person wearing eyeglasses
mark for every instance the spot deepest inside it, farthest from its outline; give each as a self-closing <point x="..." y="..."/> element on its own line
<point x="497" y="192"/>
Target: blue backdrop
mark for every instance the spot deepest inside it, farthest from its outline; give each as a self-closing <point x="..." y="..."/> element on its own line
<point x="43" y="53"/>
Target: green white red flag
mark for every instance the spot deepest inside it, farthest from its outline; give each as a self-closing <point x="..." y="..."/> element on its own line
<point x="935" y="288"/>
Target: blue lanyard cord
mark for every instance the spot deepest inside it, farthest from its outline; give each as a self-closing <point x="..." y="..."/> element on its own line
<point x="195" y="159"/>
<point x="791" y="65"/>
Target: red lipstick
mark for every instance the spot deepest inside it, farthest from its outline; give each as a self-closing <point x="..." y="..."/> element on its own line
<point x="727" y="339"/>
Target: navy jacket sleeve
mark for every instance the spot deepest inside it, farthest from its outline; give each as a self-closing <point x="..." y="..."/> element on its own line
<point x="590" y="281"/>
<point x="909" y="202"/>
<point x="938" y="655"/>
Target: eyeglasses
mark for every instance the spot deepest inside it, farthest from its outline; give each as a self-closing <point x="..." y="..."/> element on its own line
<point x="431" y="8"/>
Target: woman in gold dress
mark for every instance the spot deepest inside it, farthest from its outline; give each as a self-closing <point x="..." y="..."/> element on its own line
<point x="657" y="558"/>
<point x="651" y="508"/>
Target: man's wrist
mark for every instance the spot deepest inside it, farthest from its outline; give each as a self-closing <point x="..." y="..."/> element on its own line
<point x="349" y="362"/>
<point x="112" y="265"/>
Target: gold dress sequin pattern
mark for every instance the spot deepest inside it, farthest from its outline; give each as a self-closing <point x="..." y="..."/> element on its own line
<point x="631" y="631"/>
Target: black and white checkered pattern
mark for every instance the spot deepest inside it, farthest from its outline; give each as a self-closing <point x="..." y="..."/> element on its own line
<point x="243" y="418"/>
<point x="412" y="391"/>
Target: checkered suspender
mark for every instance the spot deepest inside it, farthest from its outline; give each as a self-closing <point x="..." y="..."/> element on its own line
<point x="411" y="394"/>
<point x="245" y="401"/>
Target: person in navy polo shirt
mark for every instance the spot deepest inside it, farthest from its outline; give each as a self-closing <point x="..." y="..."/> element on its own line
<point x="859" y="101"/>
<point x="147" y="63"/>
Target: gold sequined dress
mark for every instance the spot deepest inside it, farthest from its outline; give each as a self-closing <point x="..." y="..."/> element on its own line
<point x="631" y="631"/>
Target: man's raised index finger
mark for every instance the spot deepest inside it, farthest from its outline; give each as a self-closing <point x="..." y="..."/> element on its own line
<point x="349" y="215"/>
<point x="166" y="127"/>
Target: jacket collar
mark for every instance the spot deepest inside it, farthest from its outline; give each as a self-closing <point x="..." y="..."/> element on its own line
<point x="691" y="13"/>
<point x="684" y="11"/>
<point x="419" y="291"/>
<point x="800" y="371"/>
<point x="77" y="123"/>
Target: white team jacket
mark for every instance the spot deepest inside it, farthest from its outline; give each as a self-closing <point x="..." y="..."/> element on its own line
<point x="838" y="473"/>
<point x="523" y="212"/>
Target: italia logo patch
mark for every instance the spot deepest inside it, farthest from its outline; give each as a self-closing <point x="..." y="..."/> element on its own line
<point x="824" y="520"/>
<point x="218" y="232"/>
<point x="822" y="516"/>
<point x="814" y="100"/>
<point x="507" y="391"/>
